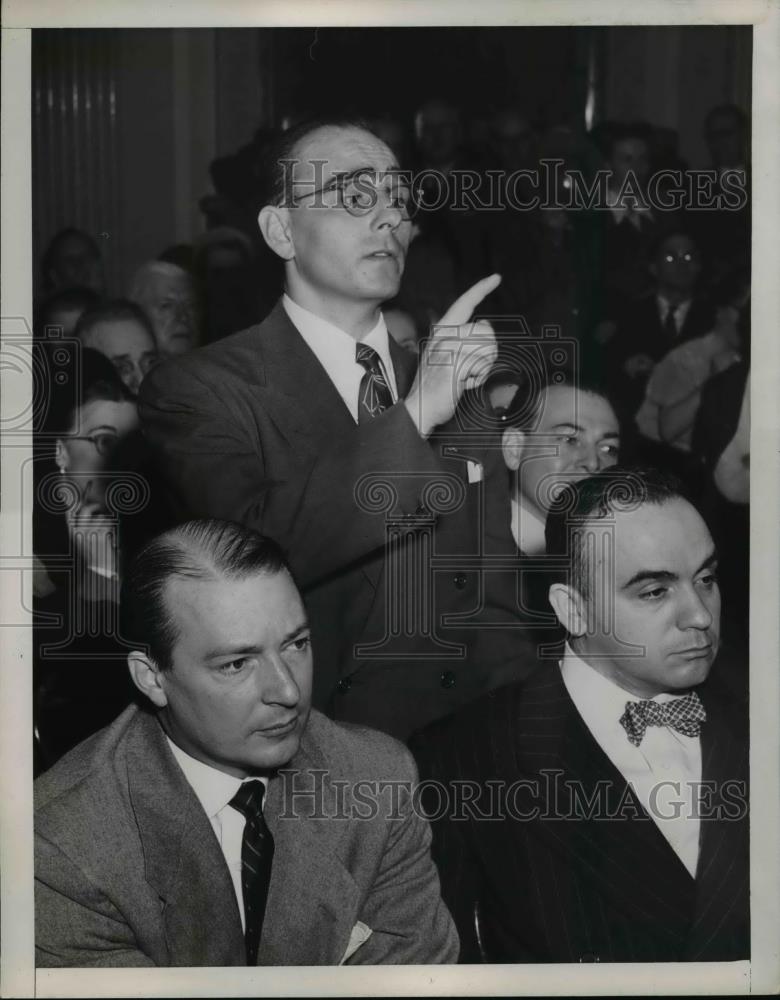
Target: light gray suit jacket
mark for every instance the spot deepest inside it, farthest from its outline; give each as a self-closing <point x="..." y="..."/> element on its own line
<point x="128" y="870"/>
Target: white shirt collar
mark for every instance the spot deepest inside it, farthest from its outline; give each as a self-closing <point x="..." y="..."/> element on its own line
<point x="335" y="351"/>
<point x="599" y="700"/>
<point x="213" y="788"/>
<point x="527" y="528"/>
<point x="680" y="310"/>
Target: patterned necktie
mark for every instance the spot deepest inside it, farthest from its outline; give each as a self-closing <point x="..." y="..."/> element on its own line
<point x="684" y="714"/>
<point x="375" y="396"/>
<point x="257" y="852"/>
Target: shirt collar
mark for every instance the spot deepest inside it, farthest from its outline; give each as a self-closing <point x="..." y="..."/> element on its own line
<point x="527" y="528"/>
<point x="334" y="347"/>
<point x="213" y="788"/>
<point x="598" y="698"/>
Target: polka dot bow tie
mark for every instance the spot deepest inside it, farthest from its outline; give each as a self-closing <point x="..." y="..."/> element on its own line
<point x="684" y="714"/>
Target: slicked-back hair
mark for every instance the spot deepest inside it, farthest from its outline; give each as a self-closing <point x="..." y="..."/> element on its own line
<point x="114" y="311"/>
<point x="524" y="411"/>
<point x="204" y="549"/>
<point x="612" y="491"/>
<point x="274" y="159"/>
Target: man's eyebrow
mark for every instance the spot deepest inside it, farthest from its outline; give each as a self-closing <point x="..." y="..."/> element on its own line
<point x="236" y="651"/>
<point x="665" y="575"/>
<point x="709" y="562"/>
<point x="120" y="357"/>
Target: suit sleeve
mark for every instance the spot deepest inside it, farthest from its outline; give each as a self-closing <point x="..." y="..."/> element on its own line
<point x="212" y="455"/>
<point x="76" y="925"/>
<point x="410" y="924"/>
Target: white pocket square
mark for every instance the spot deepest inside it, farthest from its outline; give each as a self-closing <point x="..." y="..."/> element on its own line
<point x="359" y="935"/>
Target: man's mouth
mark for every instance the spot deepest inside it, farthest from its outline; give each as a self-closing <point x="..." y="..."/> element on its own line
<point x="281" y="728"/>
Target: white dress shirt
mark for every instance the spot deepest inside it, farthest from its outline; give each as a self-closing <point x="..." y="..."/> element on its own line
<point x="335" y="351"/>
<point x="214" y="790"/>
<point x="663" y="756"/>
<point x="527" y="528"/>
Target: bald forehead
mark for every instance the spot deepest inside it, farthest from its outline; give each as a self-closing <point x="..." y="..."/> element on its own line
<point x="340" y="150"/>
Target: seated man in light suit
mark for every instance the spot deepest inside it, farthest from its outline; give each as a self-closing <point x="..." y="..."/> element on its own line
<point x="172" y="837"/>
<point x="607" y="798"/>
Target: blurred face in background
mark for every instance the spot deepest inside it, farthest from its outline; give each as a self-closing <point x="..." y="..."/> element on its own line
<point x="169" y="302"/>
<point x="76" y="263"/>
<point x="129" y="347"/>
<point x="85" y="452"/>
<point x="677" y="264"/>
<point x="629" y="155"/>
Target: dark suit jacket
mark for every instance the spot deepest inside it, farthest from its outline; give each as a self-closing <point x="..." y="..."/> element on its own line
<point x="252" y="429"/>
<point x="640" y="331"/>
<point x="580" y="888"/>
<point x="128" y="870"/>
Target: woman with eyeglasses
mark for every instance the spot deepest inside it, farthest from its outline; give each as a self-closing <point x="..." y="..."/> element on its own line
<point x="87" y="483"/>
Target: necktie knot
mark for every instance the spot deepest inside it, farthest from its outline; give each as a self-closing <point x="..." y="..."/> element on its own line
<point x="248" y="800"/>
<point x="685" y="715"/>
<point x="374" y="396"/>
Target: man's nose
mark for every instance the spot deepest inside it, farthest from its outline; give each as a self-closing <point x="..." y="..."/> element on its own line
<point x="694" y="613"/>
<point x="277" y="684"/>
<point x="591" y="459"/>
<point x="134" y="382"/>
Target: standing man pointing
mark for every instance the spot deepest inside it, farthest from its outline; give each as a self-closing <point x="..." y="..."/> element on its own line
<point x="313" y="428"/>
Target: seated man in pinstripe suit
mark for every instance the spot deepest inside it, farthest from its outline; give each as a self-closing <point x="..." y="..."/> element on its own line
<point x="598" y="812"/>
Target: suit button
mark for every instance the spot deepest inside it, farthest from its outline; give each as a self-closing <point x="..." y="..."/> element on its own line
<point x="460" y="580"/>
<point x="344" y="685"/>
<point x="447" y="679"/>
<point x="589" y="958"/>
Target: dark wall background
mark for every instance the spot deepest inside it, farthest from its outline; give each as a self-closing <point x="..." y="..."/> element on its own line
<point x="127" y="121"/>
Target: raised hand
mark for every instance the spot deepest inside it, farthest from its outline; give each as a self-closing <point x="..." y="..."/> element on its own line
<point x="458" y="356"/>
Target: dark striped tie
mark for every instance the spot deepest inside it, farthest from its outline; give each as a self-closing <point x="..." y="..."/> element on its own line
<point x="257" y="853"/>
<point x="375" y="396"/>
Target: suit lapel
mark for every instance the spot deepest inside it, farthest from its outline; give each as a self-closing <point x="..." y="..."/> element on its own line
<point x="312" y="897"/>
<point x="628" y="857"/>
<point x="722" y="877"/>
<point x="184" y="862"/>
<point x="302" y="399"/>
<point x="404" y="366"/>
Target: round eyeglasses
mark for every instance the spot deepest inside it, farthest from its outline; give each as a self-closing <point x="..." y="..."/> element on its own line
<point x="103" y="442"/>
<point x="359" y="193"/>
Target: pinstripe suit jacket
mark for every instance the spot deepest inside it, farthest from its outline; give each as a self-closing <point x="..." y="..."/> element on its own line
<point x="580" y="888"/>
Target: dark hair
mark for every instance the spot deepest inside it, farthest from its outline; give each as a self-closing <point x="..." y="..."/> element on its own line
<point x="620" y="488"/>
<point x="82" y="376"/>
<point x="523" y="412"/>
<point x="204" y="549"/>
<point x="616" y="132"/>
<point x="667" y="233"/>
<point x="282" y="147"/>
<point x="65" y="299"/>
<point x="114" y="311"/>
<point x="55" y="245"/>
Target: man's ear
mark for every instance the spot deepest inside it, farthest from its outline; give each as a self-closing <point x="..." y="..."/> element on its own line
<point x="147" y="677"/>
<point x="569" y="608"/>
<point x="512" y="445"/>
<point x="274" y="224"/>
<point x="61" y="455"/>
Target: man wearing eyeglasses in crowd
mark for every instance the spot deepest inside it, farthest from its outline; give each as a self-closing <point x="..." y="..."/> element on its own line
<point x="314" y="428"/>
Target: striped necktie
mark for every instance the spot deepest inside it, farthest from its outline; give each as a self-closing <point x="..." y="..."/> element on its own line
<point x="257" y="852"/>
